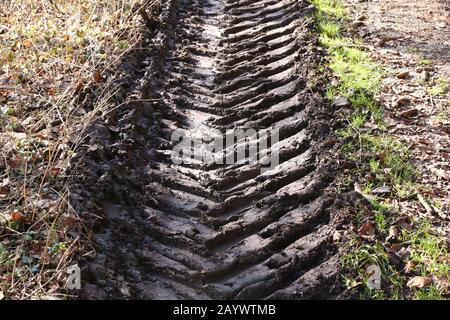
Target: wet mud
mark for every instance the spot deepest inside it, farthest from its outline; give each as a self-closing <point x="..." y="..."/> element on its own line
<point x="202" y="230"/>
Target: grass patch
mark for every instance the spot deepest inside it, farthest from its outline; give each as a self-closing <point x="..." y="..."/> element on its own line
<point x="428" y="251"/>
<point x="380" y="161"/>
<point x="441" y="88"/>
<point x="330" y="8"/>
<point x="426" y="62"/>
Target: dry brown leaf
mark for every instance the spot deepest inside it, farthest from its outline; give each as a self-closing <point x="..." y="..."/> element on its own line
<point x="367" y="229"/>
<point x="410" y="113"/>
<point x="395" y="247"/>
<point x="403" y="75"/>
<point x="402" y="101"/>
<point x="443" y="284"/>
<point x="69" y="221"/>
<point x="16" y="216"/>
<point x="404" y="223"/>
<point x="79" y="87"/>
<point x="15" y="162"/>
<point x="410" y="266"/>
<point x="55" y="171"/>
<point x="98" y="77"/>
<point x="27" y="44"/>
<point x="51" y="92"/>
<point x="419" y="282"/>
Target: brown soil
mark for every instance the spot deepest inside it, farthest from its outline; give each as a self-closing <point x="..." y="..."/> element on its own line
<point x="203" y="231"/>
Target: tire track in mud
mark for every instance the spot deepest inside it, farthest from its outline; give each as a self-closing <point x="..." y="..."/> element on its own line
<point x="203" y="230"/>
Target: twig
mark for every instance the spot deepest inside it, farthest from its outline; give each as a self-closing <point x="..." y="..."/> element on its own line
<point x="56" y="7"/>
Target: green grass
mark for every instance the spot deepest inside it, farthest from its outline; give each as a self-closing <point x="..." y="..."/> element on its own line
<point x="431" y="293"/>
<point x="389" y="159"/>
<point x="333" y="8"/>
<point x="379" y="155"/>
<point x="428" y="250"/>
<point x="366" y="255"/>
<point x="441" y="88"/>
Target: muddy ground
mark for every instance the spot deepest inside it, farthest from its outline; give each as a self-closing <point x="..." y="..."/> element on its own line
<point x="201" y="230"/>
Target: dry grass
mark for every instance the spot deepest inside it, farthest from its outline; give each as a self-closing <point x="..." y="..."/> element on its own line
<point x="54" y="54"/>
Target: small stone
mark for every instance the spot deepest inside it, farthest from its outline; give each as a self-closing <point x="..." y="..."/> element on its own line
<point x="403" y="75"/>
<point x="337" y="236"/>
<point x="382" y="190"/>
<point x="341" y="102"/>
<point x="410" y="113"/>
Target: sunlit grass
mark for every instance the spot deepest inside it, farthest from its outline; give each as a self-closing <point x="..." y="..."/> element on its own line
<point x="378" y="154"/>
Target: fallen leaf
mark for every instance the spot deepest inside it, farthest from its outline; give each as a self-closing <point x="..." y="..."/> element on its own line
<point x="98" y="77"/>
<point x="396" y="247"/>
<point x="367" y="229"/>
<point x="69" y="221"/>
<point x="419" y="282"/>
<point x="410" y="266"/>
<point x="410" y="113"/>
<point x="402" y="101"/>
<point x="79" y="87"/>
<point x="403" y="75"/>
<point x="55" y="171"/>
<point x="404" y="222"/>
<point x="51" y="92"/>
<point x="16" y="216"/>
<point x="15" y="162"/>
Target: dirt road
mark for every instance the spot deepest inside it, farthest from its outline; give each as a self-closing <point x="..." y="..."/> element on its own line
<point x="201" y="230"/>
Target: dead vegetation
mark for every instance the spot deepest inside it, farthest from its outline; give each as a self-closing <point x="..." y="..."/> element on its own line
<point x="56" y="60"/>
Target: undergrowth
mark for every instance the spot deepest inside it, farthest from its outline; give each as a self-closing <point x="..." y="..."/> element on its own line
<point x="55" y="55"/>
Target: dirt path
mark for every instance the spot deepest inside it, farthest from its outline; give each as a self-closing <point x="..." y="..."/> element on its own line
<point x="200" y="230"/>
<point x="410" y="39"/>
